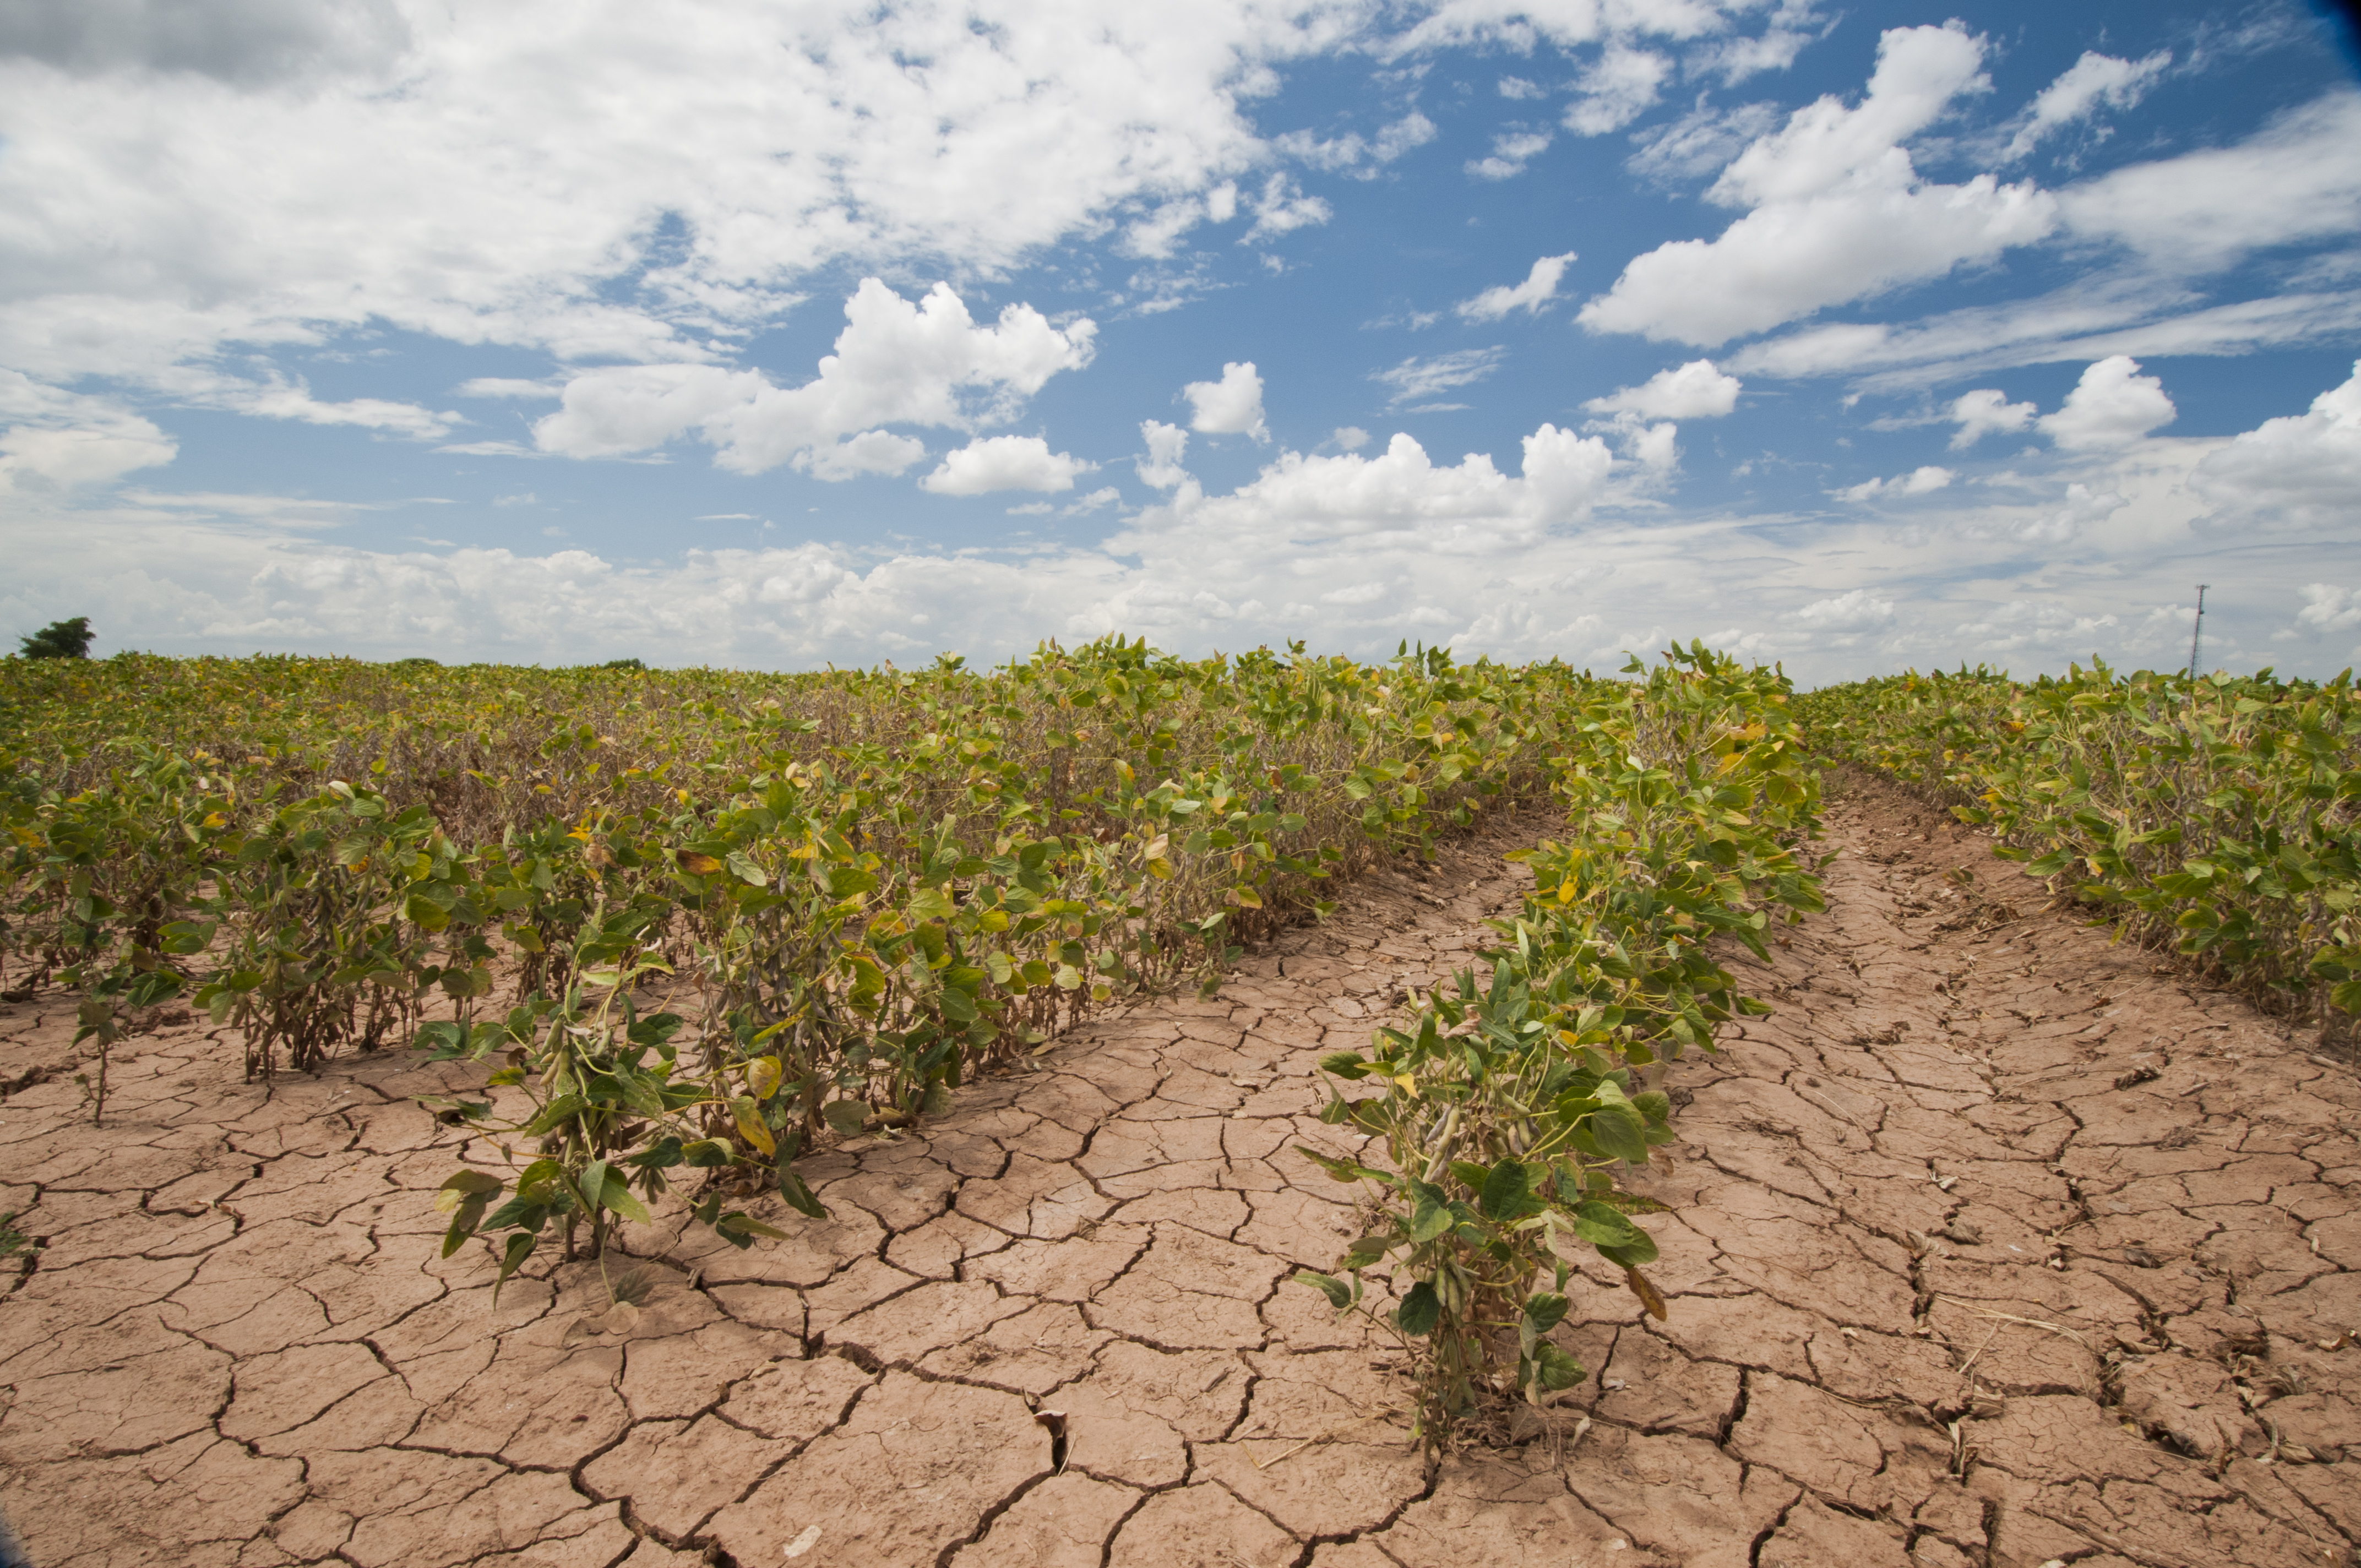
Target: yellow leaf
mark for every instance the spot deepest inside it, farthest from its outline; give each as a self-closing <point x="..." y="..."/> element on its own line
<point x="750" y="1128"/>
<point x="1647" y="1293"/>
<point x="763" y="1076"/>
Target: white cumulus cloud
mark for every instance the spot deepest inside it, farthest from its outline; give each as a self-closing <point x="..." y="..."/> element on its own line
<point x="1511" y="150"/>
<point x="1858" y="611"/>
<point x="2298" y="471"/>
<point x="1396" y="497"/>
<point x="1167" y="444"/>
<point x="52" y="439"/>
<point x="2113" y="405"/>
<point x="896" y="363"/>
<point x="1838" y="210"/>
<point x="485" y="174"/>
<point x="1231" y="406"/>
<point x="1654" y="446"/>
<point x="1466" y="554"/>
<point x="871" y="452"/>
<point x="1986" y="412"/>
<point x="2083" y="507"/>
<point x="1693" y="391"/>
<point x="1004" y="463"/>
<point x="2327" y="607"/>
<point x="1917" y="482"/>
<point x="64" y="458"/>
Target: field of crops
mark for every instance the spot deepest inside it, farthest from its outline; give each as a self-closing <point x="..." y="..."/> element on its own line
<point x="2216" y="818"/>
<point x="698" y="924"/>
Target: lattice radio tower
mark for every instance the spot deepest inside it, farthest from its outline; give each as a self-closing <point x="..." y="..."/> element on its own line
<point x="2197" y="632"/>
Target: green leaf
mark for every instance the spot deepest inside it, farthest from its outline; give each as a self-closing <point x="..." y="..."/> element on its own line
<point x="558" y="1110"/>
<point x="1421" y="1309"/>
<point x="799" y="1196"/>
<point x="736" y="1224"/>
<point x="1504" y="1190"/>
<point x="1339" y="1294"/>
<point x="520" y="1212"/>
<point x="463" y="1224"/>
<point x="520" y="1247"/>
<point x="616" y="1194"/>
<point x="1632" y="1253"/>
<point x="1621" y="1132"/>
<point x="1554" y="1369"/>
<point x="462" y="1185"/>
<point x="1430" y="1213"/>
<point x="662" y="1155"/>
<point x="847" y="1116"/>
<point x="1603" y="1227"/>
<point x="1342" y="1169"/>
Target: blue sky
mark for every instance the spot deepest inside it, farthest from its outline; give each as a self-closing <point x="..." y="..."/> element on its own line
<point x="769" y="336"/>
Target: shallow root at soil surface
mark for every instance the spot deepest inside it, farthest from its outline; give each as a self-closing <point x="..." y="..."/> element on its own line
<point x="1992" y="1245"/>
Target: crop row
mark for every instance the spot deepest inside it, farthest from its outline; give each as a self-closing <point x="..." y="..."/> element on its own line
<point x="695" y="923"/>
<point x="2216" y="817"/>
<point x="1509" y="1104"/>
<point x="912" y="868"/>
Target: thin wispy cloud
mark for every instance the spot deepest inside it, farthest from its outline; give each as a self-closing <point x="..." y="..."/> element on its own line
<point x="1418" y="379"/>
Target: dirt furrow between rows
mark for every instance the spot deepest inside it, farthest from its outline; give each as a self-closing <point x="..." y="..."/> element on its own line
<point x="1992" y="1245"/>
<point x="2005" y="1245"/>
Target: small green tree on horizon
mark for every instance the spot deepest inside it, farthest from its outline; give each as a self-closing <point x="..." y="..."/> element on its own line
<point x="59" y="640"/>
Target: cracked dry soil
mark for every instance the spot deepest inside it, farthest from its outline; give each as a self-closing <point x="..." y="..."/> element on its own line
<point x="1997" y="1245"/>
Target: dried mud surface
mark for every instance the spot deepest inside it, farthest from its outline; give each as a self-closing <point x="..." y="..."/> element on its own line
<point x="1995" y="1245"/>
